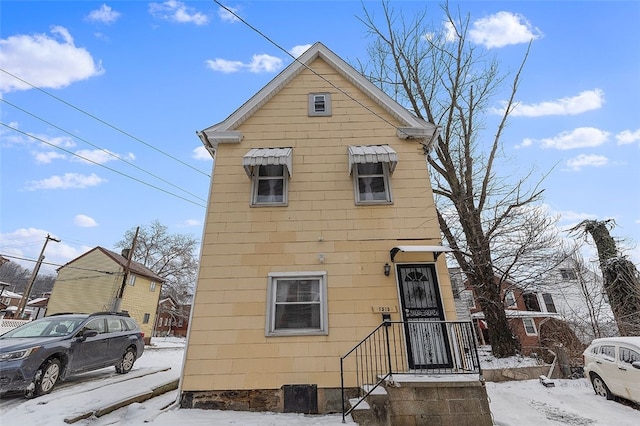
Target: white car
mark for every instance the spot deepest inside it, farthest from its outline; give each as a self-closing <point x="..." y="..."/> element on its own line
<point x="612" y="365"/>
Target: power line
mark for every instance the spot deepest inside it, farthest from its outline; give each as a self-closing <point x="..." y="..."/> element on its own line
<point x="101" y="149"/>
<point x="60" y="265"/>
<point x="308" y="67"/>
<point x="102" y="165"/>
<point x="104" y="122"/>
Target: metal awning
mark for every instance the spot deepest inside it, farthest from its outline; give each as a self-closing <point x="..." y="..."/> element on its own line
<point x="436" y="250"/>
<point x="266" y="157"/>
<point x="362" y="154"/>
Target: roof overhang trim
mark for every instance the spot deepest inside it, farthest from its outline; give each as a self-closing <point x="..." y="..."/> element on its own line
<point x="436" y="250"/>
<point x="212" y="138"/>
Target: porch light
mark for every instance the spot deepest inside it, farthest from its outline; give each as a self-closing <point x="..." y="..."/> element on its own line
<point x="387" y="269"/>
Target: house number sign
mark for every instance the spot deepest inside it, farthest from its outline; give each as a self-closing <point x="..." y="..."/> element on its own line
<point x="384" y="309"/>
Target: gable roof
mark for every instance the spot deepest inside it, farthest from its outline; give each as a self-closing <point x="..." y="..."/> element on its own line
<point x="135" y="267"/>
<point x="225" y="131"/>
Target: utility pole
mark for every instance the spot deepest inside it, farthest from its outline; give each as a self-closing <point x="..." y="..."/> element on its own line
<point x="118" y="300"/>
<point x="27" y="292"/>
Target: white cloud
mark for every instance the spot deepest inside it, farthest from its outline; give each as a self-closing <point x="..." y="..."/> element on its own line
<point x="502" y="29"/>
<point x="201" y="153"/>
<point x="587" y="160"/>
<point x="265" y="63"/>
<point x="101" y="156"/>
<point x="224" y="66"/>
<point x="176" y="11"/>
<point x="299" y="50"/>
<point x="47" y="157"/>
<point x="227" y="16"/>
<point x="628" y="136"/>
<point x="68" y="181"/>
<point x="105" y="14"/>
<point x="84" y="221"/>
<point x="258" y="64"/>
<point x="45" y="62"/>
<point x="190" y="223"/>
<point x="581" y="137"/>
<point x="583" y="102"/>
<point x="61" y="141"/>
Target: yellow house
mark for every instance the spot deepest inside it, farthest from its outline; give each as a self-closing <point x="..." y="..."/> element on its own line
<point x="94" y="281"/>
<point x="321" y="224"/>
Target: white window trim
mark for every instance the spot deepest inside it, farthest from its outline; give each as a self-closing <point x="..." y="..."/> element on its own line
<point x="312" y="105"/>
<point x="271" y="297"/>
<point x="285" y="188"/>
<point x="387" y="187"/>
<point x="152" y="286"/>
<point x="131" y="280"/>
<point x="506" y="297"/>
<point x="533" y="324"/>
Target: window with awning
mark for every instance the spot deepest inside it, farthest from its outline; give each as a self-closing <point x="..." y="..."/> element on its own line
<point x="371" y="166"/>
<point x="269" y="170"/>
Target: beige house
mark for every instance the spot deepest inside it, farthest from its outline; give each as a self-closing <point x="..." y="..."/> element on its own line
<point x="94" y="282"/>
<point x="321" y="222"/>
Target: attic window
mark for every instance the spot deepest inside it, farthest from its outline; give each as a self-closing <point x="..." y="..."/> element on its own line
<point x="319" y="104"/>
<point x="269" y="169"/>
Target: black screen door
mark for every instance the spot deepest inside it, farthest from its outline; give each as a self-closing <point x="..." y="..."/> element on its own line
<point x="426" y="335"/>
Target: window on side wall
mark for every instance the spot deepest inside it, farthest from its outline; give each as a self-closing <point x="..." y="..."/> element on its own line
<point x="145" y="319"/>
<point x="132" y="280"/>
<point x="319" y="104"/>
<point x="270" y="186"/>
<point x="529" y="327"/>
<point x="548" y="302"/>
<point x="509" y="298"/>
<point x="297" y="304"/>
<point x="269" y="170"/>
<point x="152" y="286"/>
<point x="371" y="167"/>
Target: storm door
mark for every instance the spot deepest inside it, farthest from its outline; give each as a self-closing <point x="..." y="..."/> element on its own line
<point x="426" y="335"/>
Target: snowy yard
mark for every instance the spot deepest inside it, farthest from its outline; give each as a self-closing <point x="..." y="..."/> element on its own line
<point x="523" y="403"/>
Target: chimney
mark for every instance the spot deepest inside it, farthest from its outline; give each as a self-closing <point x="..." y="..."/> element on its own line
<point x="125" y="253"/>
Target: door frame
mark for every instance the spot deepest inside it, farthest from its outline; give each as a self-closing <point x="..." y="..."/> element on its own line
<point x="442" y="315"/>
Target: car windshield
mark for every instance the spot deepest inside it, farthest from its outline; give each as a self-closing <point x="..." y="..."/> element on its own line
<point x="45" y="327"/>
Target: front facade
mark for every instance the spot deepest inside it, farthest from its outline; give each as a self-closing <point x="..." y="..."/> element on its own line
<point x="321" y="222"/>
<point x="94" y="281"/>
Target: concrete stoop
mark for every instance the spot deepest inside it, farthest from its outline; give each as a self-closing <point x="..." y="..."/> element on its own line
<point x="424" y="400"/>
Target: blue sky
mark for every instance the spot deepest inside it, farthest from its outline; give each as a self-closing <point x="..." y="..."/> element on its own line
<point x="126" y="84"/>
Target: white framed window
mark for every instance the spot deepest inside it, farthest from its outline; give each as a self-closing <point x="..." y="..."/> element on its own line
<point x="319" y="104"/>
<point x="548" y="302"/>
<point x="270" y="186"/>
<point x="152" y="286"/>
<point x="269" y="170"/>
<point x="568" y="274"/>
<point x="131" y="280"/>
<point x="509" y="298"/>
<point x="529" y="327"/>
<point x="371" y="167"/>
<point x="297" y="304"/>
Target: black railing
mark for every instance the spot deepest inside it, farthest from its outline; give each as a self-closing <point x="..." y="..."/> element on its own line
<point x="432" y="347"/>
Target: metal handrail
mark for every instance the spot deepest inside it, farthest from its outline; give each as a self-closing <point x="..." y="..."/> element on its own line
<point x="436" y="347"/>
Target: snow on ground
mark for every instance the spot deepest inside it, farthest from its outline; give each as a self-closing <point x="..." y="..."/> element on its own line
<point x="522" y="403"/>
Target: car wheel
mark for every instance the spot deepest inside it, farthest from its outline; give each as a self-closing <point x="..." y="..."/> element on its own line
<point x="600" y="387"/>
<point x="126" y="364"/>
<point x="46" y="378"/>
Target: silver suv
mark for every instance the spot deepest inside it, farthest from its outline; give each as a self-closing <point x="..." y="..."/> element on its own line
<point x="613" y="366"/>
<point x="34" y="356"/>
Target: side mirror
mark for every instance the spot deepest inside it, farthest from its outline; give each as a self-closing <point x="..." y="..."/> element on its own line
<point x="636" y="365"/>
<point x="85" y="335"/>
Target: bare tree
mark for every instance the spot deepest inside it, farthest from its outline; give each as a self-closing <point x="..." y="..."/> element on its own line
<point x="18" y="278"/>
<point x="621" y="279"/>
<point x="492" y="222"/>
<point x="170" y="256"/>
